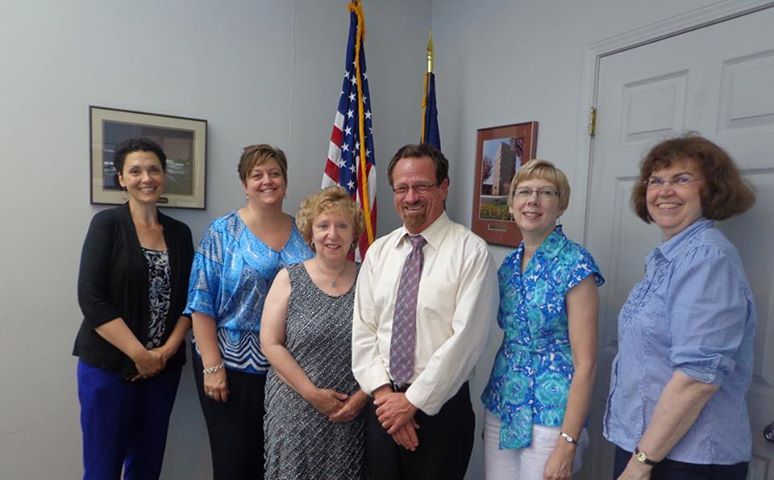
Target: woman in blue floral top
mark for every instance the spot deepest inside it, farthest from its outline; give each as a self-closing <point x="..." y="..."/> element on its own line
<point x="539" y="392"/>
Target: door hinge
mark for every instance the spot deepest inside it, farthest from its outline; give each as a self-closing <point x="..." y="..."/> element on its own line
<point x="592" y="121"/>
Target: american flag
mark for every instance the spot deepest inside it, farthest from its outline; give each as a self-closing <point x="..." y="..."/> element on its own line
<point x="350" y="162"/>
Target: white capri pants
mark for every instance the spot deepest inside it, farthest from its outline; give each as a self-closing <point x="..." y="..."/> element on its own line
<point x="523" y="463"/>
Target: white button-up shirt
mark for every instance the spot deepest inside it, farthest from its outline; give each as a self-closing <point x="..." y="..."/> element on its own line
<point x="456" y="304"/>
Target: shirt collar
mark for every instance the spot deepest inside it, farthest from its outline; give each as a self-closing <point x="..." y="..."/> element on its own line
<point x="433" y="233"/>
<point x="553" y="243"/>
<point x="547" y="250"/>
<point x="672" y="247"/>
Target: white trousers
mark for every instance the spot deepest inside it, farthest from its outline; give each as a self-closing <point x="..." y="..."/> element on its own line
<point x="523" y="463"/>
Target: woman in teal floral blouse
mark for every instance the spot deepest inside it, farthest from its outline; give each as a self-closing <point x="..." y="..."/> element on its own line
<point x="539" y="392"/>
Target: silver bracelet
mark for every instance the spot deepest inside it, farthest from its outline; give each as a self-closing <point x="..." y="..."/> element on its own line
<point x="568" y="438"/>
<point x="213" y="369"/>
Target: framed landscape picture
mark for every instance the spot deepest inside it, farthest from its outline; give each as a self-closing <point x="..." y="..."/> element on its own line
<point x="184" y="140"/>
<point x="500" y="151"/>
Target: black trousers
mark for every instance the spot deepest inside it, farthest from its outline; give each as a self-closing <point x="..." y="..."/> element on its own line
<point x="673" y="470"/>
<point x="235" y="427"/>
<point x="445" y="444"/>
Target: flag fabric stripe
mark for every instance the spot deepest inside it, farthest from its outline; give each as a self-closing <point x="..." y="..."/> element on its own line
<point x="350" y="161"/>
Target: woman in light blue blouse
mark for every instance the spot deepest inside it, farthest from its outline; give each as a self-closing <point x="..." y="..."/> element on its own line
<point x="539" y="392"/>
<point x="677" y="405"/>
<point x="234" y="266"/>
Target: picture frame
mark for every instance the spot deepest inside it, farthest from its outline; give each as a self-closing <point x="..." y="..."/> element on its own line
<point x="500" y="151"/>
<point x="183" y="139"/>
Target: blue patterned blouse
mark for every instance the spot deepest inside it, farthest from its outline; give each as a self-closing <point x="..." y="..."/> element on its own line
<point x="533" y="369"/>
<point x="231" y="275"/>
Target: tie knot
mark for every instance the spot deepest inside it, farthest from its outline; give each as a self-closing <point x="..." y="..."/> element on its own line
<point x="418" y="241"/>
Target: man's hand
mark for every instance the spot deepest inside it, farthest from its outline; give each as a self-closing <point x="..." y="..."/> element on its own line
<point x="406" y="436"/>
<point x="394" y="411"/>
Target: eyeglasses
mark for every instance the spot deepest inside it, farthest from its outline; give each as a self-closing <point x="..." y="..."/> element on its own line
<point x="545" y="193"/>
<point x="681" y="180"/>
<point x="402" y="190"/>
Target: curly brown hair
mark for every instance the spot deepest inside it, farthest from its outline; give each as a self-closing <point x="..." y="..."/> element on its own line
<point x="724" y="193"/>
<point x="327" y="199"/>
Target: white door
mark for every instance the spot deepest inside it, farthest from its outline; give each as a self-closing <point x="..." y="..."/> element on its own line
<point x="718" y="81"/>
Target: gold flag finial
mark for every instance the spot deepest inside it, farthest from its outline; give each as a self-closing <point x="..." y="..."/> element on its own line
<point x="430" y="53"/>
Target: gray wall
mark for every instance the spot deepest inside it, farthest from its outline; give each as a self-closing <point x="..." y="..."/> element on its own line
<point x="257" y="70"/>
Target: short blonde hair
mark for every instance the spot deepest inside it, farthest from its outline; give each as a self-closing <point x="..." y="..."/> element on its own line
<point x="327" y="199"/>
<point x="543" y="170"/>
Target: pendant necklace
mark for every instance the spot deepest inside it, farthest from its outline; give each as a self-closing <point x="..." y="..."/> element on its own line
<point x="333" y="283"/>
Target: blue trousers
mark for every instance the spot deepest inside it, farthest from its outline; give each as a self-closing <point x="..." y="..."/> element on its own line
<point x="124" y="424"/>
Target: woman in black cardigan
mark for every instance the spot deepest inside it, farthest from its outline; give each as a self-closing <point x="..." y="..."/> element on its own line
<point x="132" y="289"/>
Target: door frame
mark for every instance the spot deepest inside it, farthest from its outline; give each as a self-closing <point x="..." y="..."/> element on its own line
<point x="594" y="52"/>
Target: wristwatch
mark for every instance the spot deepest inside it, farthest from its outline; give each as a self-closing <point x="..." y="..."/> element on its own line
<point x="643" y="458"/>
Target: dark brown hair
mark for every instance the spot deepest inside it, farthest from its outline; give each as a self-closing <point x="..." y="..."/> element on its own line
<point x="724" y="193"/>
<point x="419" y="151"/>
<point x="258" y="154"/>
<point x="140" y="144"/>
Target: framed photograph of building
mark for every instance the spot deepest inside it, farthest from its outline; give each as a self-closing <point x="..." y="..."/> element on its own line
<point x="184" y="140"/>
<point x="500" y="151"/>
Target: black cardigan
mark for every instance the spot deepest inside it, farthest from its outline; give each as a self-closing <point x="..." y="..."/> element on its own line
<point x="113" y="282"/>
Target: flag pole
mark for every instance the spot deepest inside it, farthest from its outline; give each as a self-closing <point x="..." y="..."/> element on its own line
<point x="363" y="180"/>
<point x="429" y="51"/>
<point x="429" y="54"/>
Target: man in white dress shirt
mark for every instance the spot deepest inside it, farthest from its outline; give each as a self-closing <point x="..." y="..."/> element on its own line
<point x="422" y="427"/>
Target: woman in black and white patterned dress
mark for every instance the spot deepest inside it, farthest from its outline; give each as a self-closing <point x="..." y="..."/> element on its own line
<point x="313" y="425"/>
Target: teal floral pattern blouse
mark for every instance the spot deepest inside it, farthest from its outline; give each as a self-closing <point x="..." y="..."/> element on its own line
<point x="533" y="369"/>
